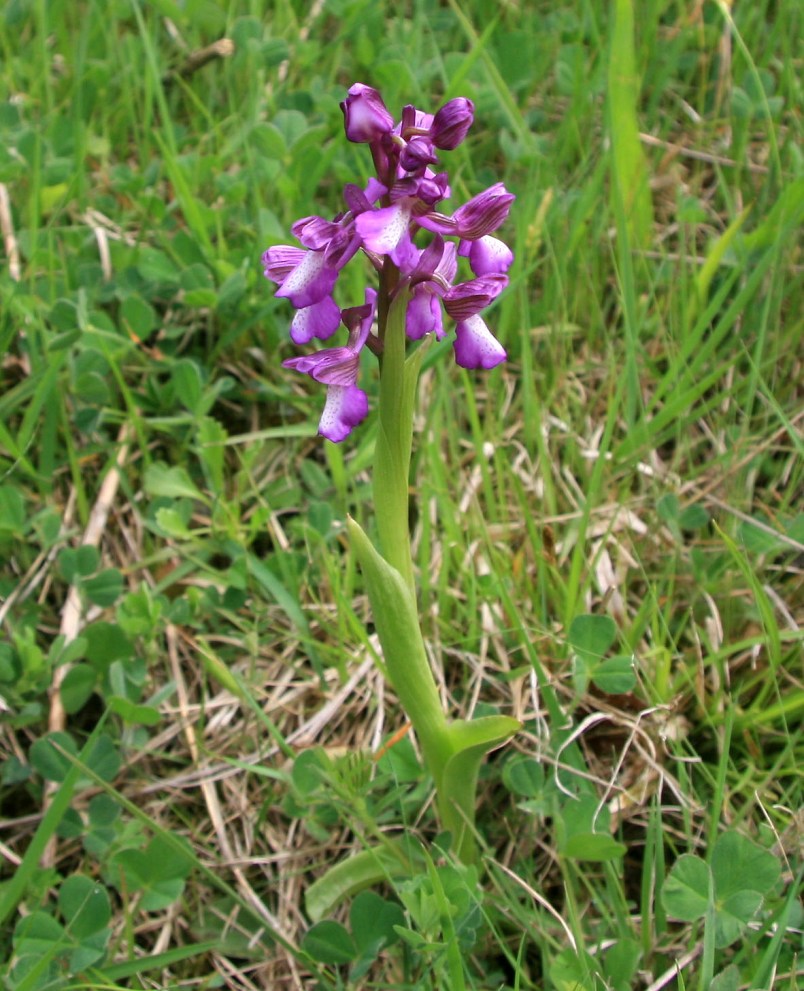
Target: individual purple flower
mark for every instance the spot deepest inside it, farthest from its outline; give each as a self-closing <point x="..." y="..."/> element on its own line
<point x="346" y="405"/>
<point x="365" y="116"/>
<point x="306" y="277"/>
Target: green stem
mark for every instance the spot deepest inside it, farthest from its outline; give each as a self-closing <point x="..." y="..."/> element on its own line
<point x="452" y="751"/>
<point x="392" y="453"/>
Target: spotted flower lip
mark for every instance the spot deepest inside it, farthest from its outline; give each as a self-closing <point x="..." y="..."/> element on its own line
<point x="475" y="346"/>
<point x="396" y="220"/>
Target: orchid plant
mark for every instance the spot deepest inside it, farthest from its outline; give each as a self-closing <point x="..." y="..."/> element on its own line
<point x="388" y="222"/>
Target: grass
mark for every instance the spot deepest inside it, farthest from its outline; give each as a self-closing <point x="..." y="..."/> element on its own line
<point x="637" y="460"/>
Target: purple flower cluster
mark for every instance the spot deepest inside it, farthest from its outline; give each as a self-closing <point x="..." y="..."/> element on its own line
<point x="383" y="221"/>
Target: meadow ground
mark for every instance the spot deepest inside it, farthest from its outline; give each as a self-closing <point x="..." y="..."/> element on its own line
<point x="608" y="528"/>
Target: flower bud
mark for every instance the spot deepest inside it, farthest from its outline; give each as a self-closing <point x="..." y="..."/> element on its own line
<point x="452" y="122"/>
<point x="366" y="117"/>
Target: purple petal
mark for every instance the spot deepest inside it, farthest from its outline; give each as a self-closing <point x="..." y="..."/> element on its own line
<point x="310" y="281"/>
<point x="419" y="316"/>
<point x="374" y="190"/>
<point x="413" y="119"/>
<point x="382" y="230"/>
<point x="475" y="346"/>
<point x="484" y="213"/>
<point x="417" y="153"/>
<point x="359" y="319"/>
<point x="315" y="232"/>
<point x="365" y="116"/>
<point x="342" y="248"/>
<point x="332" y="366"/>
<point x="305" y="363"/>
<point x="405" y="255"/>
<point x="346" y="406"/>
<point x="359" y="200"/>
<point x="336" y="366"/>
<point x="428" y="261"/>
<point x="451" y="123"/>
<point x="423" y="315"/>
<point x="469" y="298"/>
<point x="487" y="255"/>
<point x="280" y="260"/>
<point x="320" y="320"/>
<point x="438" y="223"/>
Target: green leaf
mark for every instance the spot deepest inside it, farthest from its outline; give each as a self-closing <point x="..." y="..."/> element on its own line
<point x="47" y="759"/>
<point x="187" y="382"/>
<point x="138" y="316"/>
<point x="103" y="757"/>
<point x="571" y="971"/>
<point x="714" y="258"/>
<point x="628" y="167"/>
<point x="78" y="685"/>
<point x="13" y="518"/>
<point x="329" y="942"/>
<point x="524" y="776"/>
<point x="38" y="934"/>
<point x="78" y="562"/>
<point x="103" y="811"/>
<point x="621" y="961"/>
<point x="734" y="914"/>
<point x="106" y="642"/>
<point x="105" y="588"/>
<point x="84" y="905"/>
<point x="130" y="712"/>
<point x="593" y="847"/>
<point x="615" y="675"/>
<point x="170" y="482"/>
<point x="161" y="893"/>
<point x="471" y="741"/>
<point x="401" y="762"/>
<point x="740" y="865"/>
<point x="372" y="920"/>
<point x="212" y="437"/>
<point x="172" y="523"/>
<point x="729" y="979"/>
<point x="155" y="266"/>
<point x="310" y="770"/>
<point x="369" y="867"/>
<point x="693" y="518"/>
<point x="592" y="636"/>
<point x="686" y="891"/>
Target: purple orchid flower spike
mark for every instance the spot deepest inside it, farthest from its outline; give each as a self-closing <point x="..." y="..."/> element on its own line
<point x="389" y="221"/>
